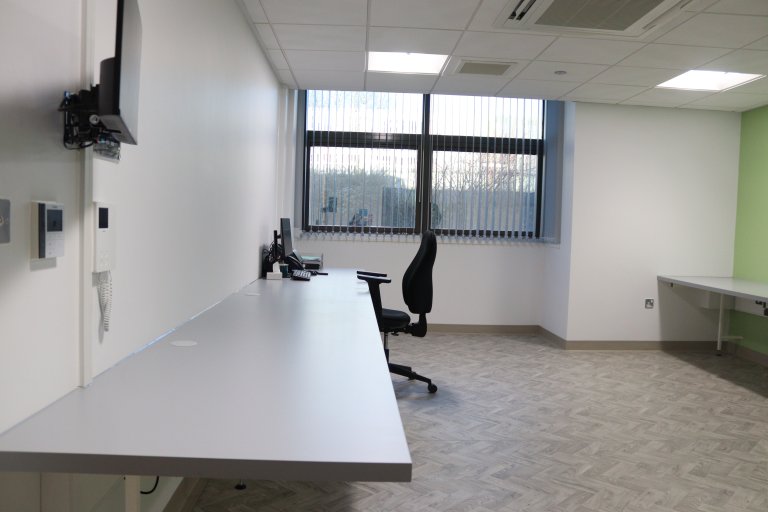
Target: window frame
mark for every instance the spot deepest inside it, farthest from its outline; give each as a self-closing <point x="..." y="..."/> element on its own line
<point x="425" y="144"/>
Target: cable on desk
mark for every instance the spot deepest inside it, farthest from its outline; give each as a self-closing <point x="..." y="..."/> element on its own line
<point x="157" y="481"/>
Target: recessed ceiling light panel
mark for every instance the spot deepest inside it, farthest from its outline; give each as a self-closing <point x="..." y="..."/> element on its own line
<point x="418" y="63"/>
<point x="699" y="80"/>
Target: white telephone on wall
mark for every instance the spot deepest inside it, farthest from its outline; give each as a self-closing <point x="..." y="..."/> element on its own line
<point x="104" y="258"/>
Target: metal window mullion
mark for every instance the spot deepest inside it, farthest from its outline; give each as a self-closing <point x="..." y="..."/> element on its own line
<point x="422" y="168"/>
<point x="540" y="170"/>
<point x="307" y="165"/>
<point x="507" y="162"/>
<point x="514" y="196"/>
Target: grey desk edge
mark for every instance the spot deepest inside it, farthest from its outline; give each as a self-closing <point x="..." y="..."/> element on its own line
<point x="301" y="408"/>
<point x="732" y="286"/>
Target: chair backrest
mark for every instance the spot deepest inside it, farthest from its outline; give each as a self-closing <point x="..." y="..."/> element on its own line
<point x="417" y="280"/>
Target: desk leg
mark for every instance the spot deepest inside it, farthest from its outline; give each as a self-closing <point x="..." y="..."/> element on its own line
<point x="132" y="493"/>
<point x="720" y="325"/>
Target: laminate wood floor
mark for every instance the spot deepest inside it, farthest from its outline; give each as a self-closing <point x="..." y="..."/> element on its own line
<point x="519" y="424"/>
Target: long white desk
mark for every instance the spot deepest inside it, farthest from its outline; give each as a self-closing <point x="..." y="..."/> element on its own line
<point x="726" y="287"/>
<point x="287" y="381"/>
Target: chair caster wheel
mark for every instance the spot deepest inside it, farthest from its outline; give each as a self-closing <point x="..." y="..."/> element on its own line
<point x="431" y="388"/>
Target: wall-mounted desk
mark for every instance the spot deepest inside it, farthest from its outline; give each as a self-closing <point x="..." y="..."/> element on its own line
<point x="726" y="287"/>
<point x="288" y="381"/>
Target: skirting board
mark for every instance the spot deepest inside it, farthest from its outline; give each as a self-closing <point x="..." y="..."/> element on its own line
<point x="627" y="344"/>
<point x="704" y="346"/>
<point x="746" y="353"/>
<point x="486" y="329"/>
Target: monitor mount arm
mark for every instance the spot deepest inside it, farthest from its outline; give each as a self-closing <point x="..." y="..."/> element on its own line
<point x="82" y="126"/>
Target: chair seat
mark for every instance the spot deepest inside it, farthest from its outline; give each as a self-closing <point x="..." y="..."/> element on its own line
<point x="392" y="319"/>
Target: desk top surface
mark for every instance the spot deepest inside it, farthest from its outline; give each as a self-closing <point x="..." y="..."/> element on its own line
<point x="287" y="381"/>
<point x="742" y="288"/>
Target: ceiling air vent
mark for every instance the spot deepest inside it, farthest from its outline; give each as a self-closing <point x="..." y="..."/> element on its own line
<point x="462" y="66"/>
<point x="624" y="18"/>
<point x="483" y="68"/>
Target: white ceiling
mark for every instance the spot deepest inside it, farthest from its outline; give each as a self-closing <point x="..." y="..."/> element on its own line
<point x="322" y="44"/>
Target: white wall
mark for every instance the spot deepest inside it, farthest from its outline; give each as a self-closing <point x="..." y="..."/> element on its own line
<point x="40" y="52"/>
<point x="556" y="276"/>
<point x="654" y="192"/>
<point x="474" y="283"/>
<point x="646" y="191"/>
<point x="194" y="200"/>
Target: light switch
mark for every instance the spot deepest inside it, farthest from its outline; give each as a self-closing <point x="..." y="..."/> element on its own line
<point x="5" y="221"/>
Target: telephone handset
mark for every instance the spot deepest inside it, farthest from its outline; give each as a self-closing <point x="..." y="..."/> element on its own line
<point x="105" y="297"/>
<point x="294" y="263"/>
<point x="104" y="258"/>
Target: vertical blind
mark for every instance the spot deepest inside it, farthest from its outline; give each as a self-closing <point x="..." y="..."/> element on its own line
<point x="362" y="153"/>
<point x="485" y="165"/>
<point x="394" y="162"/>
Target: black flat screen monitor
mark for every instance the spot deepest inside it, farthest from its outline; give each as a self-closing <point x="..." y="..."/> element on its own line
<point x="119" y="81"/>
<point x="286" y="236"/>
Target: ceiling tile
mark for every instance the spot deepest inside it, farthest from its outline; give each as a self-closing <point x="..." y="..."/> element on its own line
<point x="760" y="44"/>
<point x="266" y="36"/>
<point x="329" y="61"/>
<point x="540" y="70"/>
<point x="286" y="78"/>
<point x="544" y="89"/>
<point x="718" y="30"/>
<point x="699" y="5"/>
<point x="329" y="80"/>
<point x="757" y="87"/>
<point x="673" y="56"/>
<point x="277" y="58"/>
<point x="665" y="97"/>
<point x="732" y="101"/>
<point x="625" y="75"/>
<point x="322" y="44"/>
<point x="320" y="37"/>
<point x="316" y="12"/>
<point x="450" y="14"/>
<point x="589" y="51"/>
<point x="471" y="85"/>
<point x="501" y="46"/>
<point x="741" y="61"/>
<point x="604" y="93"/>
<point x="751" y="7"/>
<point x="441" y="42"/>
<point x="395" y="82"/>
<point x="255" y="11"/>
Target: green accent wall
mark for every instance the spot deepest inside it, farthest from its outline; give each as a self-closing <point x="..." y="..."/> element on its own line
<point x="751" y="246"/>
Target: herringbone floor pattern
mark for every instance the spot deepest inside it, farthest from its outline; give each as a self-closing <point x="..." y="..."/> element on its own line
<point x="521" y="425"/>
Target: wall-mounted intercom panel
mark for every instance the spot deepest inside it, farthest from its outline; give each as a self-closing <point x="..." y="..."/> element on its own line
<point x="47" y="230"/>
<point x="104" y="238"/>
<point x="5" y="221"/>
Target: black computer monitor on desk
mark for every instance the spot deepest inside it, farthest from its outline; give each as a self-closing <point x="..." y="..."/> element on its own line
<point x="289" y="255"/>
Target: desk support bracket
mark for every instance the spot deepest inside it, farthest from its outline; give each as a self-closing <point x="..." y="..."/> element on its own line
<point x="720" y="323"/>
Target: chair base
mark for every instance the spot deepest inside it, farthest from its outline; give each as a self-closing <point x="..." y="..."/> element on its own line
<point x="406" y="371"/>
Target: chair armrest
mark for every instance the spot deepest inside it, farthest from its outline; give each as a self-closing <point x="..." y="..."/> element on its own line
<point x="367" y="273"/>
<point x="374" y="280"/>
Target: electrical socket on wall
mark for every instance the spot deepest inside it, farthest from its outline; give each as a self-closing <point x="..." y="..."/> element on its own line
<point x="5" y="221"/>
<point x="648" y="303"/>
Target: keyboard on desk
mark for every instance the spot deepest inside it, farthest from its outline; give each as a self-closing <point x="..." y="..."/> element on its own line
<point x="301" y="275"/>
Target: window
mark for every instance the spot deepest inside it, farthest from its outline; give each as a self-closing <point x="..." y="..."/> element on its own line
<point x="402" y="163"/>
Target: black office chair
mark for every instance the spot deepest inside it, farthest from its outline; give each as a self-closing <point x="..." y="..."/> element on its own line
<point x="417" y="293"/>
